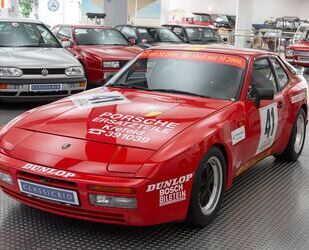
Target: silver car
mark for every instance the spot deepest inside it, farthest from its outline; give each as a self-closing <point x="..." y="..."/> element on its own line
<point x="33" y="64"/>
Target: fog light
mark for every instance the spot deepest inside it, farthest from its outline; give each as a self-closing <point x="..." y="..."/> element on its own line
<point x="6" y="178"/>
<point x="112" y="201"/>
<point x="82" y="84"/>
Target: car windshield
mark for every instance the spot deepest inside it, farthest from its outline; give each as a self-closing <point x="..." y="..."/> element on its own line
<point x="99" y="36"/>
<point x="200" y="74"/>
<point x="20" y="34"/>
<point x="220" y="18"/>
<point x="202" y="35"/>
<point x="152" y="35"/>
<point x="202" y="18"/>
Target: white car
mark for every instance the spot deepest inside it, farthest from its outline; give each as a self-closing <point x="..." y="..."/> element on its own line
<point x="34" y="65"/>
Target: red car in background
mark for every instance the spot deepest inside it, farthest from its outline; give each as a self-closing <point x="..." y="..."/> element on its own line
<point x="202" y="19"/>
<point x="162" y="141"/>
<point x="298" y="54"/>
<point x="101" y="50"/>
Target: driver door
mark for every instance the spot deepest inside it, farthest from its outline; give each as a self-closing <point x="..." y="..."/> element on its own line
<point x="264" y="123"/>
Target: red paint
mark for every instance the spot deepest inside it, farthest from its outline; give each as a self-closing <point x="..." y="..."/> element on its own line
<point x="298" y="59"/>
<point x="93" y="56"/>
<point x="37" y="138"/>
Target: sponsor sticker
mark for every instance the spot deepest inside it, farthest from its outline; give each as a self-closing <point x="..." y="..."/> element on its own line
<point x="130" y="127"/>
<point x="99" y="99"/>
<point x="232" y="60"/>
<point x="46" y="170"/>
<point x="269" y="125"/>
<point x="238" y="135"/>
<point x="298" y="98"/>
<point x="253" y="161"/>
<point x="171" y="191"/>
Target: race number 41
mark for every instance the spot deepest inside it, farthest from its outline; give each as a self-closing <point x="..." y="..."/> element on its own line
<point x="269" y="125"/>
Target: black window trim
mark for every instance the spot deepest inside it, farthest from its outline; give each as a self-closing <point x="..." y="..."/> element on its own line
<point x="271" y="67"/>
<point x="276" y="77"/>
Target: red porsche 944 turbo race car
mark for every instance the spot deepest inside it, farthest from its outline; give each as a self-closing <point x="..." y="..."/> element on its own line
<point x="162" y="141"/>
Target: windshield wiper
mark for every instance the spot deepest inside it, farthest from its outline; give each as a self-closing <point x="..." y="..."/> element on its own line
<point x="119" y="85"/>
<point x="175" y="91"/>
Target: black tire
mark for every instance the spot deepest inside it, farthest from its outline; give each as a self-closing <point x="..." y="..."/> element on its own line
<point x="291" y="153"/>
<point x="198" y="215"/>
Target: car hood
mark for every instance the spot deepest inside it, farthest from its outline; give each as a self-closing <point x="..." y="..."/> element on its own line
<point x="112" y="52"/>
<point x="37" y="58"/>
<point x="121" y="117"/>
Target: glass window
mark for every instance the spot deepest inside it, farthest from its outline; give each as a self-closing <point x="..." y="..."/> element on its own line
<point x="64" y="32"/>
<point x="173" y="73"/>
<point x="99" y="36"/>
<point x="158" y="35"/>
<point x="20" y="34"/>
<point x="262" y="75"/>
<point x="202" y="35"/>
<point x="202" y="18"/>
<point x="281" y="74"/>
<point x="180" y="32"/>
<point x="128" y="32"/>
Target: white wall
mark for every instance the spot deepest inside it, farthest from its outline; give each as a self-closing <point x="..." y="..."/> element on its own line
<point x="262" y="9"/>
<point x="208" y="6"/>
<point x="68" y="13"/>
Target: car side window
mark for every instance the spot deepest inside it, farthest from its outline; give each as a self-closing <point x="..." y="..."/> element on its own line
<point x="128" y="32"/>
<point x="262" y="77"/>
<point x="280" y="72"/>
<point x="64" y="32"/>
<point x="180" y="32"/>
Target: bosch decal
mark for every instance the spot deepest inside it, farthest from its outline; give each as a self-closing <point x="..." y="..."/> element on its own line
<point x="171" y="191"/>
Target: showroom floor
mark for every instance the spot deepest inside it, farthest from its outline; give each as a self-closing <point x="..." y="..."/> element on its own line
<point x="267" y="208"/>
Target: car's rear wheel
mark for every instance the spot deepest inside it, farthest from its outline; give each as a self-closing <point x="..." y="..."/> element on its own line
<point x="297" y="138"/>
<point x="208" y="188"/>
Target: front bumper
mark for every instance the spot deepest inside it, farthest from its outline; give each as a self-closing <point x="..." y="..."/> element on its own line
<point x="19" y="89"/>
<point x="148" y="211"/>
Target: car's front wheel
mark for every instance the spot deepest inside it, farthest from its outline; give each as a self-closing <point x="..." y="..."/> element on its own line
<point x="208" y="188"/>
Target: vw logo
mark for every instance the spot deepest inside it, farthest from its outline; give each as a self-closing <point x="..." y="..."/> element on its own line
<point x="65" y="146"/>
<point x="44" y="72"/>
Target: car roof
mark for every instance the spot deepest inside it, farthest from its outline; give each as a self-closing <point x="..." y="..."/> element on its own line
<point x="186" y="26"/>
<point x="215" y="48"/>
<point x="143" y="26"/>
<point x="20" y="20"/>
<point x="85" y="26"/>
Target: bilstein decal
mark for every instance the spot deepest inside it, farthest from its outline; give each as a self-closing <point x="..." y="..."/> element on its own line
<point x="171" y="191"/>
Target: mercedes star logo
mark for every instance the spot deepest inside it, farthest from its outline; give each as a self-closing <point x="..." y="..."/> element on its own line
<point x="65" y="146"/>
<point x="44" y="72"/>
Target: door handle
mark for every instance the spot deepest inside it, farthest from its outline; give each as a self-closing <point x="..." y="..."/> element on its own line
<point x="280" y="104"/>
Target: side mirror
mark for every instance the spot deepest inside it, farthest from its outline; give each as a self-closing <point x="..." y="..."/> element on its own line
<point x="132" y="40"/>
<point x="263" y="94"/>
<point x="66" y="42"/>
<point x="300" y="70"/>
